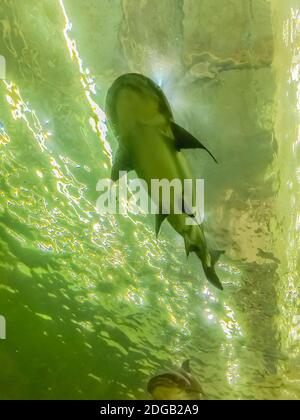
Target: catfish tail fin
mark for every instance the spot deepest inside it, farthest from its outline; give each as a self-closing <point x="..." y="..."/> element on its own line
<point x="210" y="271"/>
<point x="194" y="240"/>
<point x="212" y="277"/>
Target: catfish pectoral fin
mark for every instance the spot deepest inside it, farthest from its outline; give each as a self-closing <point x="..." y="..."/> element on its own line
<point x="185" y="140"/>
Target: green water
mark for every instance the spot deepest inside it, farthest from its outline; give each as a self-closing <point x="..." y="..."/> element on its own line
<point x="95" y="305"/>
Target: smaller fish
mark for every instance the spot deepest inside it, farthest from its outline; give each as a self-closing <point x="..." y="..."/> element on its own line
<point x="176" y="385"/>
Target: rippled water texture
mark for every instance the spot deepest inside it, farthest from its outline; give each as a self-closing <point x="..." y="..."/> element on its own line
<point x="95" y="305"/>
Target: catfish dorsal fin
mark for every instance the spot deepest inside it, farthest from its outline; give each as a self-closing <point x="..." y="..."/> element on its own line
<point x="185" y="140"/>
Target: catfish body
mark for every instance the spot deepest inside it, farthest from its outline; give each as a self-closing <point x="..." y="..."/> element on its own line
<point x="150" y="142"/>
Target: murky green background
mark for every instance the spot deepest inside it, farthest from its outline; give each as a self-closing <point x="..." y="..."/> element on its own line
<point x="94" y="304"/>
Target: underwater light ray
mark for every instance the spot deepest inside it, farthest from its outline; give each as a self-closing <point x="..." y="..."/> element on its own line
<point x="99" y="118"/>
<point x="4" y="137"/>
<point x="19" y="110"/>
